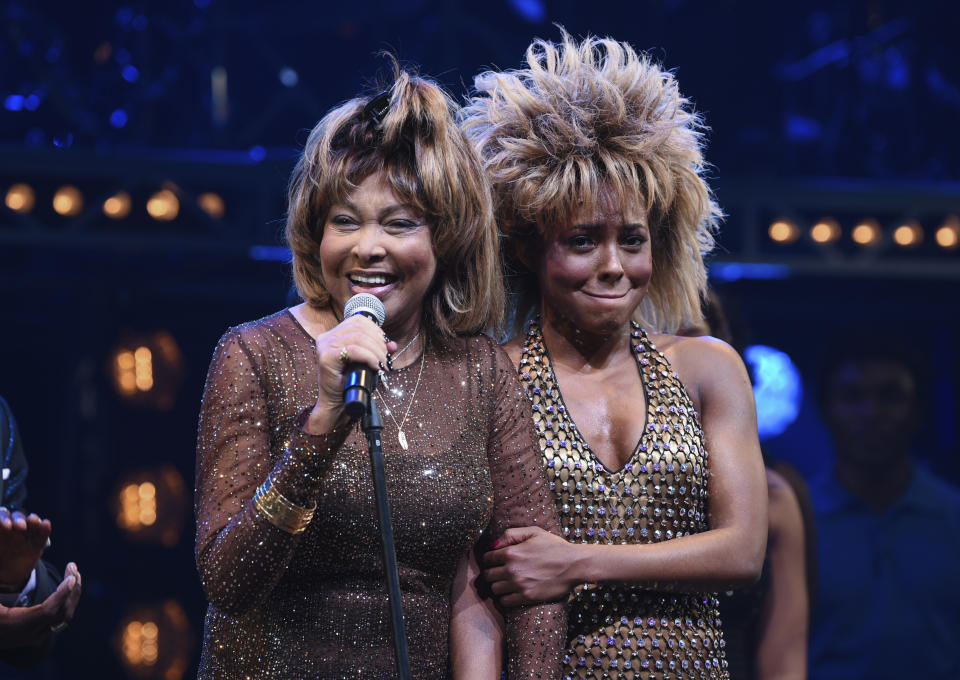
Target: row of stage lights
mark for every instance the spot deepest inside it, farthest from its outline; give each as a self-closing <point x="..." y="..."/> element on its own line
<point x="68" y="201"/>
<point x="866" y="233"/>
<point x="151" y="506"/>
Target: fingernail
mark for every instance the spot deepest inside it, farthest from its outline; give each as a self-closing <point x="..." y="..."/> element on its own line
<point x="496" y="543"/>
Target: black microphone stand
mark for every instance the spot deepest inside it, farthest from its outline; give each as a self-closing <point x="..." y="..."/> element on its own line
<point x="372" y="427"/>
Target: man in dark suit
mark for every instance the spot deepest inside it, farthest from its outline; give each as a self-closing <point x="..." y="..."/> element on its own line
<point x="34" y="602"/>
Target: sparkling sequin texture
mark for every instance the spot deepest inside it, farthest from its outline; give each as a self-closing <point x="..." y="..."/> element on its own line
<point x="314" y="605"/>
<point x="622" y="631"/>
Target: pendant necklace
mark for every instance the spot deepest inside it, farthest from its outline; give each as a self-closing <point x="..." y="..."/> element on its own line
<point x="401" y="435"/>
<point x="393" y="357"/>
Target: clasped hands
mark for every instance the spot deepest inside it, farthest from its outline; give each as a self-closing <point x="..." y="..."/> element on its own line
<point x="23" y="539"/>
<point x="529" y="565"/>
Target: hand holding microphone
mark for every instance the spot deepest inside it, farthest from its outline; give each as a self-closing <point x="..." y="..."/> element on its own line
<point x="349" y="354"/>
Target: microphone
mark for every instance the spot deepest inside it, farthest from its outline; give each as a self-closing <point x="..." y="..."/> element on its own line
<point x="361" y="379"/>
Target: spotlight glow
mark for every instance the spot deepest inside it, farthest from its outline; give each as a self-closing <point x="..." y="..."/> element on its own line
<point x="783" y="231"/>
<point x="20" y="198"/>
<point x="908" y="235"/>
<point x="163" y="206"/>
<point x="948" y="235"/>
<point x="866" y="233"/>
<point x="68" y="201"/>
<point x="825" y="231"/>
<point x="212" y="204"/>
<point x="117" y="206"/>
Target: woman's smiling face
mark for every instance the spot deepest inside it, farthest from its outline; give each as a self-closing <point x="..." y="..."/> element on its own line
<point x="594" y="269"/>
<point x="373" y="242"/>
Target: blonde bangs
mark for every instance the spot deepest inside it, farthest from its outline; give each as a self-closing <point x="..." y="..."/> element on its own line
<point x="584" y="116"/>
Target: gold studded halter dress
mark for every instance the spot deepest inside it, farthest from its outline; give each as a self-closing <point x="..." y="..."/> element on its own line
<point x="620" y="630"/>
<point x="314" y="605"/>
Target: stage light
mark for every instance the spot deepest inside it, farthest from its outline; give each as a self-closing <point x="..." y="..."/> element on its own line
<point x="152" y="505"/>
<point x="212" y="204"/>
<point x="908" y="235"/>
<point x="117" y="206"/>
<point x="147" y="370"/>
<point x="163" y="206"/>
<point x="155" y="642"/>
<point x="778" y="390"/>
<point x="783" y="231"/>
<point x="68" y="201"/>
<point x="20" y="198"/>
<point x="867" y="233"/>
<point x="948" y="235"/>
<point x="825" y="231"/>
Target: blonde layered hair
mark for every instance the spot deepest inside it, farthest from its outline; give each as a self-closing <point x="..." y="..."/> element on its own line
<point x="584" y="120"/>
<point x="428" y="162"/>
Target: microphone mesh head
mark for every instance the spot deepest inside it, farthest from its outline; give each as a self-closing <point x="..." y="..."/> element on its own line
<point x="368" y="305"/>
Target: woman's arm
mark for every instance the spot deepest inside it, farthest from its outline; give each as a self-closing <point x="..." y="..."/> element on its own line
<point x="535" y="635"/>
<point x="240" y="554"/>
<point x="534" y="566"/>
<point x="476" y="627"/>
<point x="782" y="647"/>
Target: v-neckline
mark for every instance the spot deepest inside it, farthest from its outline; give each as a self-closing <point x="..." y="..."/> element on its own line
<point x="642" y="441"/>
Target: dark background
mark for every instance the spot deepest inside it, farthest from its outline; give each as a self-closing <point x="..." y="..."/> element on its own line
<point x="846" y="109"/>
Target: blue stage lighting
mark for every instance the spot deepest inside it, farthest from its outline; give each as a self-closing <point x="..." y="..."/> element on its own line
<point x="777" y="389"/>
<point x="130" y="73"/>
<point x="734" y="271"/>
<point x="270" y="253"/>
<point x="118" y="118"/>
<point x="14" y="102"/>
<point x="531" y="10"/>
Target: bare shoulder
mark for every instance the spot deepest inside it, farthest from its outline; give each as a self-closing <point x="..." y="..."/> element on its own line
<point x="784" y="505"/>
<point x="514" y="349"/>
<point x="704" y="363"/>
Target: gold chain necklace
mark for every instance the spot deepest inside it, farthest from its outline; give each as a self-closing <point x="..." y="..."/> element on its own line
<point x="401" y="435"/>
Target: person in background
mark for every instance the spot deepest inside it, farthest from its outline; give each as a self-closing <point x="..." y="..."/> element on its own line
<point x="888" y="598"/>
<point x="34" y="602"/>
<point x="596" y="162"/>
<point x="766" y="623"/>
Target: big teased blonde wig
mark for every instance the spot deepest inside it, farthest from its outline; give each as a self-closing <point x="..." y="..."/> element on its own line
<point x="587" y="119"/>
<point x="415" y="141"/>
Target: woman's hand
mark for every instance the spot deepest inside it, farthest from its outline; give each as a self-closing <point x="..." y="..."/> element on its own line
<point x="529" y="565"/>
<point x="354" y="340"/>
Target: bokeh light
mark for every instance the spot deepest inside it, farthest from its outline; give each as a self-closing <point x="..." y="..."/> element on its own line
<point x="163" y="206"/>
<point x="948" y="234"/>
<point x="152" y="505"/>
<point x="867" y="233"/>
<point x="908" y="235"/>
<point x="783" y="231"/>
<point x="826" y="230"/>
<point x="154" y="642"/>
<point x="68" y="201"/>
<point x="212" y="204"/>
<point x="20" y="198"/>
<point x="117" y="206"/>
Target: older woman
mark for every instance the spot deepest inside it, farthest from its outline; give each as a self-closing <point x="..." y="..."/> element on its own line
<point x="649" y="439"/>
<point x="387" y="199"/>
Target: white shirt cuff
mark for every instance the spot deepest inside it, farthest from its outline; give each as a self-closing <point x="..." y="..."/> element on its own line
<point x="21" y="599"/>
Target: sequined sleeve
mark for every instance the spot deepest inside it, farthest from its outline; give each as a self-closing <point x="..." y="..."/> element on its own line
<point x="536" y="635"/>
<point x="240" y="555"/>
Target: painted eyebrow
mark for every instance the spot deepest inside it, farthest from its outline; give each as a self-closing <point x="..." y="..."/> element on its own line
<point x="388" y="210"/>
<point x="589" y="226"/>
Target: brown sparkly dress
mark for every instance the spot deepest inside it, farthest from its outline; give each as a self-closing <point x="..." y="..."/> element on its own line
<point x="314" y="605"/>
<point x="620" y="630"/>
